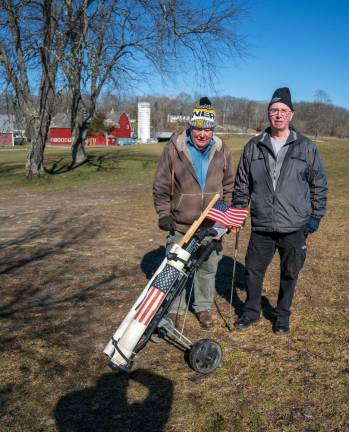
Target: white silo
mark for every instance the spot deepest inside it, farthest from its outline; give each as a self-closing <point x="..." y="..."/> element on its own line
<point x="144" y="121"/>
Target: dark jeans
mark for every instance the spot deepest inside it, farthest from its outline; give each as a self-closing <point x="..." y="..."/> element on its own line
<point x="260" y="252"/>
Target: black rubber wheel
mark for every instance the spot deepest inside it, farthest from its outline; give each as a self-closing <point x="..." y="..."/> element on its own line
<point x="205" y="356"/>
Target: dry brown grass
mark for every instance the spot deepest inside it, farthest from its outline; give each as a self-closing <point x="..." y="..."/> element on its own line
<point x="72" y="262"/>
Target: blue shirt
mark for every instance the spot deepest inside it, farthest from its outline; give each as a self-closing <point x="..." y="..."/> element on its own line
<point x="200" y="159"/>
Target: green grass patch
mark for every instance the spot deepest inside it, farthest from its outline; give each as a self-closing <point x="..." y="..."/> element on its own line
<point x="115" y="165"/>
<point x="108" y="165"/>
<point x="104" y="166"/>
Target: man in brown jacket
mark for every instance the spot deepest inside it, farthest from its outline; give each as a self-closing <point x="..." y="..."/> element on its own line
<point x="194" y="166"/>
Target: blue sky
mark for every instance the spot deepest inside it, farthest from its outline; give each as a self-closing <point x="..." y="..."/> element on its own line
<point x="300" y="44"/>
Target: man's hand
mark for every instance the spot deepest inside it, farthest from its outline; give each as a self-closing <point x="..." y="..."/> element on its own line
<point x="312" y="225"/>
<point x="166" y="223"/>
<point x="234" y="230"/>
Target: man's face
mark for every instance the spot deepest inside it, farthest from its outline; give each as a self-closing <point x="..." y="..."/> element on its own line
<point x="280" y="116"/>
<point x="201" y="137"/>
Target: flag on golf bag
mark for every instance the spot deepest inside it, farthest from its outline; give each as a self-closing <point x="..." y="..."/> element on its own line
<point x="160" y="287"/>
<point x="121" y="347"/>
<point x="227" y="216"/>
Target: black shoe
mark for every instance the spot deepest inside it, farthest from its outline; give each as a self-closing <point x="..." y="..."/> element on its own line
<point x="244" y="321"/>
<point x="281" y="328"/>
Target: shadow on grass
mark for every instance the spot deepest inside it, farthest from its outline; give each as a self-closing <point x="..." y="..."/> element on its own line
<point x="60" y="168"/>
<point x="38" y="241"/>
<point x="10" y="169"/>
<point x="224" y="280"/>
<point x="152" y="260"/>
<point x="105" y="407"/>
<point x="51" y="284"/>
<point x="224" y="286"/>
<point x="268" y="310"/>
<point x="26" y="259"/>
<point x="102" y="162"/>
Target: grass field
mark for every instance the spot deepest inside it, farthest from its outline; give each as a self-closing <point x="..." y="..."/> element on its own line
<point x="76" y="248"/>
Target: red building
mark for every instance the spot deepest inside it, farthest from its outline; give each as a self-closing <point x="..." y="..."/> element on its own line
<point x="123" y="127"/>
<point x="6" y="130"/>
<point x="60" y="133"/>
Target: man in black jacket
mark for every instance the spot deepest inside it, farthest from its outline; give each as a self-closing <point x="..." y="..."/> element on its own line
<point x="281" y="174"/>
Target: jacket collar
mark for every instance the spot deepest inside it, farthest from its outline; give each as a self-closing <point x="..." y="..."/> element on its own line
<point x="180" y="143"/>
<point x="265" y="138"/>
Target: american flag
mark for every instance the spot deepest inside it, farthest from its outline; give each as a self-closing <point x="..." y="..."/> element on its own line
<point x="156" y="294"/>
<point x="227" y="216"/>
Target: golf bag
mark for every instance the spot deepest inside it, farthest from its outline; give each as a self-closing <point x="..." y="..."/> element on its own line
<point x="148" y="314"/>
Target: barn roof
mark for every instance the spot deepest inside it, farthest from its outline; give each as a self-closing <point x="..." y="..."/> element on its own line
<point x="60" y="120"/>
<point x="7" y="123"/>
<point x="113" y="116"/>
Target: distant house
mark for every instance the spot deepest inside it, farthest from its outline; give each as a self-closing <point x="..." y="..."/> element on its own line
<point x="177" y="118"/>
<point x="60" y="132"/>
<point x="6" y="129"/>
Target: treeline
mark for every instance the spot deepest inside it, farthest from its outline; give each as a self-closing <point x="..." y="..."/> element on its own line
<point x="80" y="49"/>
<point x="237" y="114"/>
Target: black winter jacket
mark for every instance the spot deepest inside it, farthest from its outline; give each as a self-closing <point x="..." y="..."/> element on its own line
<point x="300" y="191"/>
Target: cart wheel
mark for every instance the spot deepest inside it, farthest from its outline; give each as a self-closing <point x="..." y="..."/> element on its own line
<point x="205" y="356"/>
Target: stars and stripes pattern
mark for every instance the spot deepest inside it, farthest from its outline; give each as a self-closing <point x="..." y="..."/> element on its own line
<point x="227" y="216"/>
<point x="156" y="294"/>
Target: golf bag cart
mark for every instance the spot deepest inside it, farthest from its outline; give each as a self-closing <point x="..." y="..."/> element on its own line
<point x="148" y="314"/>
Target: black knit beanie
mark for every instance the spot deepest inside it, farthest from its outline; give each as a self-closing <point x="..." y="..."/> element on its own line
<point x="282" y="95"/>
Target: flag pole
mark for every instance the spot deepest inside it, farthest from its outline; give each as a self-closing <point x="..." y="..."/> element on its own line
<point x="191" y="231"/>
<point x="237" y="236"/>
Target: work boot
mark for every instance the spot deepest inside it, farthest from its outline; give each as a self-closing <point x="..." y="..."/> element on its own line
<point x="204" y="319"/>
<point x="244" y="321"/>
<point x="174" y="319"/>
<point x="281" y="328"/>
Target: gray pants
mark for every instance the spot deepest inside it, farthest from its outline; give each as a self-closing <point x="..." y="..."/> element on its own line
<point x="204" y="282"/>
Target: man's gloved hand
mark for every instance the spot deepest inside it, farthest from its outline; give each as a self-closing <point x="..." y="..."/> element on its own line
<point x="218" y="246"/>
<point x="312" y="225"/>
<point x="166" y="223"/>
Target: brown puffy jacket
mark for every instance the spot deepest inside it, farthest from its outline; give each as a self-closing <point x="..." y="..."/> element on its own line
<point x="176" y="189"/>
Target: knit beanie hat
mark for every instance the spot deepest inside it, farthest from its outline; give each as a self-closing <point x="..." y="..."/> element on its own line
<point x="204" y="115"/>
<point x="282" y="95"/>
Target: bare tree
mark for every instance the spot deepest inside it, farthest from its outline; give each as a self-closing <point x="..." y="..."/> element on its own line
<point x="115" y="43"/>
<point x="322" y="97"/>
<point x="29" y="47"/>
<point x="320" y="118"/>
<point x="96" y="44"/>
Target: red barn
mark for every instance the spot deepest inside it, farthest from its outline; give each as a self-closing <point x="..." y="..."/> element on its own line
<point x="123" y="128"/>
<point x="60" y="132"/>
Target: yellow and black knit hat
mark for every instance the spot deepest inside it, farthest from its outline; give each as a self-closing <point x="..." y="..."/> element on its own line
<point x="204" y="115"/>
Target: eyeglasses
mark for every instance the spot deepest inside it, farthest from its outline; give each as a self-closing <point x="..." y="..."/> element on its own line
<point x="282" y="112"/>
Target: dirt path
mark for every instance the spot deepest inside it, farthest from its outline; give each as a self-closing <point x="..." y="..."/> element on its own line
<point x="73" y="262"/>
